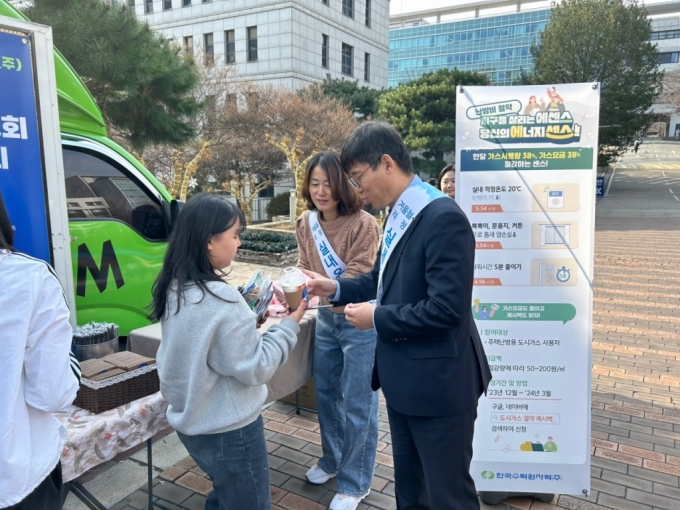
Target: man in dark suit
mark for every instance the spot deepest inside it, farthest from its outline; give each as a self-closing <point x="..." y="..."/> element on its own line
<point x="429" y="360"/>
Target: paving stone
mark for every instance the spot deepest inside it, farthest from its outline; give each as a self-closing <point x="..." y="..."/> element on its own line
<point x="291" y="442"/>
<point x="304" y="489"/>
<point x="293" y="469"/>
<point x="385" y="472"/>
<point x="295" y="502"/>
<point x="572" y="503"/>
<point x="293" y="455"/>
<point x="138" y="500"/>
<point x="621" y="504"/>
<point x="277" y="478"/>
<point x="186" y="463"/>
<point x="656" y="500"/>
<point x="380" y="500"/>
<point x="277" y="494"/>
<point x="195" y="502"/>
<point x="196" y="483"/>
<point x="378" y="483"/>
<point x="627" y="481"/>
<point x="608" y="487"/>
<point x="172" y="473"/>
<point x="171" y="492"/>
<point x="275" y="462"/>
<point x="654" y="476"/>
<point x="316" y="450"/>
<point x="609" y="464"/>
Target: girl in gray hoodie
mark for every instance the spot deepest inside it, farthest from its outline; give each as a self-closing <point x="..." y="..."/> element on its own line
<point x="213" y="363"/>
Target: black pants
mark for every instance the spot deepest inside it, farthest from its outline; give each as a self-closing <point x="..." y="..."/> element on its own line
<point x="46" y="496"/>
<point x="432" y="458"/>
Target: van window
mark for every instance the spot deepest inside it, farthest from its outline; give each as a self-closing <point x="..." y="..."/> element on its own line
<point x="98" y="188"/>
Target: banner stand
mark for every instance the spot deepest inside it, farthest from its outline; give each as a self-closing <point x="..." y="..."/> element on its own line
<point x="496" y="498"/>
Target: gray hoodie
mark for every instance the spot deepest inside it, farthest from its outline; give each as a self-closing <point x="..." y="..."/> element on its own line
<point x="213" y="363"/>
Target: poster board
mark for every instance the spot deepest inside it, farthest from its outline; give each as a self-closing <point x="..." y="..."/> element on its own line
<point x="526" y="163"/>
<point x="31" y="166"/>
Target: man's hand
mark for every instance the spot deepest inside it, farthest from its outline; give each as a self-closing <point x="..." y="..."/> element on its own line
<point x="320" y="286"/>
<point x="360" y="315"/>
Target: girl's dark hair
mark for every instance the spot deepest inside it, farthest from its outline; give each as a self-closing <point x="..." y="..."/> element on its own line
<point x="448" y="168"/>
<point x="6" y="230"/>
<point x="341" y="190"/>
<point x="186" y="261"/>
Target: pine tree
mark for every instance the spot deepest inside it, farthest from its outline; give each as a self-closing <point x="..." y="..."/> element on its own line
<point x="604" y="41"/>
<point x="142" y="82"/>
<point x="424" y="112"/>
<point x="362" y="100"/>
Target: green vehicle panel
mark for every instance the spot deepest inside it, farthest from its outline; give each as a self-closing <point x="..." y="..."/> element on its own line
<point x="119" y="214"/>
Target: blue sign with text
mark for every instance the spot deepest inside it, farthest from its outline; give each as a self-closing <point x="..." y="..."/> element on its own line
<point x="599" y="187"/>
<point x="21" y="164"/>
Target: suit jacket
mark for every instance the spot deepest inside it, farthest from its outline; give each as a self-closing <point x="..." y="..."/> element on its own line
<point x="429" y="358"/>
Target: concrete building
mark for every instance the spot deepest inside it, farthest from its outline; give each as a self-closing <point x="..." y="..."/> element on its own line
<point x="290" y="43"/>
<point x="494" y="37"/>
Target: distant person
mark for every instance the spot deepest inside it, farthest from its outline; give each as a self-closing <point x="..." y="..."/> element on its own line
<point x="636" y="145"/>
<point x="677" y="134"/>
<point x="446" y="181"/>
<point x="213" y="363"/>
<point x="39" y="377"/>
<point x="338" y="239"/>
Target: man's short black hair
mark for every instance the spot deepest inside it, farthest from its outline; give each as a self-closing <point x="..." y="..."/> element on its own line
<point x="370" y="141"/>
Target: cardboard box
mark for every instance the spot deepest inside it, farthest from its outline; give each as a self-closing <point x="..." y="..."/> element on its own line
<point x="307" y="396"/>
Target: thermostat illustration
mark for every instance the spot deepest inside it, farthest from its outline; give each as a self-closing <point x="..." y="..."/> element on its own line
<point x="555" y="199"/>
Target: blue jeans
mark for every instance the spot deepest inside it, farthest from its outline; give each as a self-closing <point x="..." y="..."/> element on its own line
<point x="348" y="408"/>
<point x="237" y="463"/>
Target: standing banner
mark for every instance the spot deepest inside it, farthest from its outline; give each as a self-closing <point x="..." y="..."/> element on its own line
<point x="31" y="166"/>
<point x="526" y="162"/>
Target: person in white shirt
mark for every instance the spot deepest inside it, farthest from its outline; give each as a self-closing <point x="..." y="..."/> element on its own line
<point x="38" y="376"/>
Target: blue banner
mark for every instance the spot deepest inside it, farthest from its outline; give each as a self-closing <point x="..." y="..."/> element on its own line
<point x="21" y="167"/>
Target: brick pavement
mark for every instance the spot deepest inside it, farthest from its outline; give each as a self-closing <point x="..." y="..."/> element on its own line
<point x="635" y="394"/>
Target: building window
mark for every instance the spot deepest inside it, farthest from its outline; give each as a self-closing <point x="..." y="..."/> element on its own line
<point x="209" y="49"/>
<point x="668" y="58"/>
<point x="230" y="46"/>
<point x="325" y="2"/>
<point x="348" y="8"/>
<point x="665" y="34"/>
<point x="206" y="1"/>
<point x="347" y="54"/>
<point x="367" y="67"/>
<point x="251" y="36"/>
<point x="148" y="6"/>
<point x="189" y="44"/>
<point x="167" y="5"/>
<point x="368" y="13"/>
<point x="324" y="51"/>
<point x="186" y="3"/>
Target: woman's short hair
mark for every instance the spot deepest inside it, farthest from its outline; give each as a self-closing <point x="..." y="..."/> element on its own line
<point x="6" y="230"/>
<point x="348" y="199"/>
<point x="448" y="168"/>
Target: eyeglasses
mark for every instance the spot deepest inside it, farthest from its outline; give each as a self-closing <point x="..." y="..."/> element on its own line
<point x="356" y="182"/>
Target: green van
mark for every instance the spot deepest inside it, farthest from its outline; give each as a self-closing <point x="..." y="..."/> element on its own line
<point x="119" y="214"/>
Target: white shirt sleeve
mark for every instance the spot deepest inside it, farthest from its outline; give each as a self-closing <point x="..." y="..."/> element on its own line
<point x="50" y="381"/>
